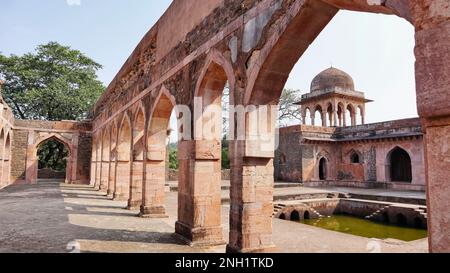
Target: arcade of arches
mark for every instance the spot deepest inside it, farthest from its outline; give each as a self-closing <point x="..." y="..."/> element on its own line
<point x="254" y="46"/>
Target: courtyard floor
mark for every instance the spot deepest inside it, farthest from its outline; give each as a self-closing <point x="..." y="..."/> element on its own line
<point x="53" y="217"/>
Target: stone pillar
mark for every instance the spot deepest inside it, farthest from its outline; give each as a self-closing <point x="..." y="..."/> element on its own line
<point x="344" y="118"/>
<point x="335" y="116"/>
<point x="123" y="178"/>
<point x="313" y="121"/>
<point x="324" y="118"/>
<point x="137" y="174"/>
<point x="104" y="175"/>
<point x="353" y="118"/>
<point x="98" y="174"/>
<point x="153" y="197"/>
<point x="432" y="24"/>
<point x="304" y="119"/>
<point x="251" y="198"/>
<point x="199" y="193"/>
<point x="93" y="172"/>
<point x="112" y="179"/>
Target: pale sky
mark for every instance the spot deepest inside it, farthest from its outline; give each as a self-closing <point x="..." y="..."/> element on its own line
<point x="376" y="50"/>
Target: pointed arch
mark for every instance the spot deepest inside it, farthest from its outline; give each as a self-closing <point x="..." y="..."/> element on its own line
<point x="139" y="122"/>
<point x="158" y="125"/>
<point x="123" y="165"/>
<point x="124" y="139"/>
<point x="398" y="165"/>
<point x="217" y="74"/>
<point x="113" y="160"/>
<point x="33" y="160"/>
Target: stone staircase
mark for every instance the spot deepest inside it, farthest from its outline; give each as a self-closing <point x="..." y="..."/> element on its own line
<point x="277" y="208"/>
<point x="422" y="212"/>
<point x="377" y="213"/>
<point x="316" y="213"/>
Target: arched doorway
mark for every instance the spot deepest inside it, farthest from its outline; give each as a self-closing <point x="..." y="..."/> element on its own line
<point x="53" y="156"/>
<point x="400" y="169"/>
<point x="323" y="169"/>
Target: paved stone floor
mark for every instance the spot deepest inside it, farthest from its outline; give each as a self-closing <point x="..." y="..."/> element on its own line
<point x="50" y="217"/>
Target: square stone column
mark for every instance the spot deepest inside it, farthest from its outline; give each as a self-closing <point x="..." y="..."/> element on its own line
<point x="98" y="174"/>
<point x="153" y="198"/>
<point x="432" y="23"/>
<point x="104" y="176"/>
<point x="251" y="198"/>
<point x="123" y="180"/>
<point x="93" y="172"/>
<point x="199" y="193"/>
<point x="137" y="174"/>
<point x="112" y="179"/>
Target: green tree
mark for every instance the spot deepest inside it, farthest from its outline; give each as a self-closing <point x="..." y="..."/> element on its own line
<point x="173" y="159"/>
<point x="53" y="154"/>
<point x="288" y="111"/>
<point x="54" y="83"/>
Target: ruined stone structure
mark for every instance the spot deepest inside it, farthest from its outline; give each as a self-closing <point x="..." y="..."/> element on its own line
<point x="20" y="141"/>
<point x="192" y="51"/>
<point x="385" y="155"/>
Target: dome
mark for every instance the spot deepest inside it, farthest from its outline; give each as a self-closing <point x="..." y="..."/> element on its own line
<point x="330" y="78"/>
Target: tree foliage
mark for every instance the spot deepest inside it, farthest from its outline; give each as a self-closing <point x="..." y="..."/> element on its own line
<point x="288" y="111"/>
<point x="53" y="155"/>
<point x="54" y="83"/>
<point x="173" y="159"/>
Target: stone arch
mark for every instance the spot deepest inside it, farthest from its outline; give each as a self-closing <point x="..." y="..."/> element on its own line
<point x="283" y="48"/>
<point x="306" y="215"/>
<point x="205" y="164"/>
<point x="307" y="116"/>
<point x="32" y="158"/>
<point x="138" y="156"/>
<point x="295" y="216"/>
<point x="355" y="157"/>
<point x="318" y="112"/>
<point x="153" y="197"/>
<point x="323" y="165"/>
<point x="105" y="157"/>
<point x="351" y="110"/>
<point x="399" y="165"/>
<point x="123" y="165"/>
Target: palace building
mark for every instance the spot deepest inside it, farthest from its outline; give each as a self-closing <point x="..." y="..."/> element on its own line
<point x="335" y="151"/>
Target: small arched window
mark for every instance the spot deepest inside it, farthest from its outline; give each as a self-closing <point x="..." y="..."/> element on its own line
<point x="355" y="158"/>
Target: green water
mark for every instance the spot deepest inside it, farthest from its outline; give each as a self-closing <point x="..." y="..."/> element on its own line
<point x="366" y="228"/>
